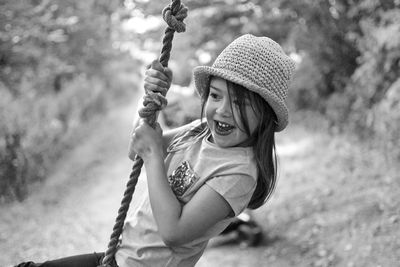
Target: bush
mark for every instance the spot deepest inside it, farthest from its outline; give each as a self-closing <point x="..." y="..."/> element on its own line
<point x="304" y="89"/>
<point x="36" y="130"/>
<point x="183" y="106"/>
<point x="358" y="99"/>
<point x="385" y="122"/>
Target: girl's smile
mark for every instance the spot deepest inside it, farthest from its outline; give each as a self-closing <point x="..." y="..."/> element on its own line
<point x="223" y="116"/>
<point x="222" y="128"/>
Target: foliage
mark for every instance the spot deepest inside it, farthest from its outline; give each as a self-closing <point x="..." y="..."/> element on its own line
<point x="211" y="25"/>
<point x="62" y="61"/>
<point x="58" y="71"/>
<point x="376" y="80"/>
<point x="351" y="63"/>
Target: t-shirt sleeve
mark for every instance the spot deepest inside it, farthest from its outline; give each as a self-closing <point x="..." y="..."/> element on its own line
<point x="237" y="190"/>
<point x="191" y="126"/>
<point x="186" y="135"/>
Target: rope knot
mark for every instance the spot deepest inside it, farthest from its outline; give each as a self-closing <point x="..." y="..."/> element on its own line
<point x="152" y="103"/>
<point x="174" y="17"/>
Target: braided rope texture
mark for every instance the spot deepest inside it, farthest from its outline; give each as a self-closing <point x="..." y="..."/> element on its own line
<point x="173" y="14"/>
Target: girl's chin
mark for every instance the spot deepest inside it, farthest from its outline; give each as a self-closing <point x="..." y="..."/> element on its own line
<point x="226" y="141"/>
<point x="219" y="140"/>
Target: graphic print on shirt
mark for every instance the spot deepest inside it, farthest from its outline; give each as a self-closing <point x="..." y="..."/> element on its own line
<point x="182" y="178"/>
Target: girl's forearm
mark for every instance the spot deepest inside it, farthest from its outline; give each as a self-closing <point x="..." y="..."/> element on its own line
<point x="165" y="206"/>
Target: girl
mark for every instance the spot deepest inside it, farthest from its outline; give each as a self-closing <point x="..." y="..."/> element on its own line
<point x="201" y="175"/>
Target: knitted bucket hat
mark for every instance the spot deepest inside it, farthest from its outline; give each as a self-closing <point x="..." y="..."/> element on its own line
<point x="257" y="63"/>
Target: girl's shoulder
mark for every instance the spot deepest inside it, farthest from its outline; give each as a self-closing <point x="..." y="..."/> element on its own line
<point x="194" y="131"/>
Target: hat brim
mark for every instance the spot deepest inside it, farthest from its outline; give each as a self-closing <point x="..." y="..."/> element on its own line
<point x="202" y="80"/>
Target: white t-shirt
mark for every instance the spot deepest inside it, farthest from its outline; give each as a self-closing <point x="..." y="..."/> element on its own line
<point x="191" y="163"/>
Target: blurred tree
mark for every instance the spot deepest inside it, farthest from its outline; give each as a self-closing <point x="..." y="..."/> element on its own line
<point x="354" y="46"/>
<point x="57" y="70"/>
<point x="373" y="83"/>
<point x="211" y="25"/>
<point x="45" y="42"/>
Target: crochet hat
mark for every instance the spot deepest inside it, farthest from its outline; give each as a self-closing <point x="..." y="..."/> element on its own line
<point x="257" y="63"/>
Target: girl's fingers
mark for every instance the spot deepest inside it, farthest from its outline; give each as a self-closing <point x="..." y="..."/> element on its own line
<point x="156" y="81"/>
<point x="158" y="128"/>
<point x="157" y="65"/>
<point x="157" y="70"/>
<point x="157" y="78"/>
<point x="168" y="72"/>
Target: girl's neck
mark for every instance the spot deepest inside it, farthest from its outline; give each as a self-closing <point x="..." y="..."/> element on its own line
<point x="249" y="142"/>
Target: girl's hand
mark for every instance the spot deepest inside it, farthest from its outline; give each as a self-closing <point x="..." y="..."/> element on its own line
<point x="146" y="142"/>
<point x="158" y="79"/>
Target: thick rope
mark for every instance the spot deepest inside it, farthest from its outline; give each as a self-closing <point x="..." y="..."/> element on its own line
<point x="173" y="14"/>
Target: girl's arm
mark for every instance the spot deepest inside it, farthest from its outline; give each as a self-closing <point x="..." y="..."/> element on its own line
<point x="177" y="224"/>
<point x="158" y="80"/>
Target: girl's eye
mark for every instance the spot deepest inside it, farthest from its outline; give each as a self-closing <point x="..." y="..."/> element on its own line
<point x="213" y="95"/>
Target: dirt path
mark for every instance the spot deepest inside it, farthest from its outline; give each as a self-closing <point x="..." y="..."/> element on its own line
<point x="336" y="204"/>
<point x="332" y="207"/>
<point x="75" y="210"/>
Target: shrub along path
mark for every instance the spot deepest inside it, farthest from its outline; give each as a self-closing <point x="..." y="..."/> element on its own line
<point x="336" y="204"/>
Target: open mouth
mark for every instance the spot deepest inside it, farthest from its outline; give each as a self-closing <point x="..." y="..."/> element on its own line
<point x="223" y="128"/>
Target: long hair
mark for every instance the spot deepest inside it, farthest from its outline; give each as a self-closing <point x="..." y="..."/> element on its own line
<point x="262" y="139"/>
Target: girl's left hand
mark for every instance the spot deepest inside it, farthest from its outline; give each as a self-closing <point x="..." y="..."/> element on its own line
<point x="146" y="141"/>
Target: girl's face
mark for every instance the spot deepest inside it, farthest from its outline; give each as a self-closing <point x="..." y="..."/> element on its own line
<point x="223" y="117"/>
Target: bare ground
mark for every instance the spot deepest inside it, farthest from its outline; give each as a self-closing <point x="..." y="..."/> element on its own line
<point x="336" y="204"/>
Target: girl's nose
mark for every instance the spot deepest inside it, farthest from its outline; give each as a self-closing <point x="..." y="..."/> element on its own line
<point x="225" y="108"/>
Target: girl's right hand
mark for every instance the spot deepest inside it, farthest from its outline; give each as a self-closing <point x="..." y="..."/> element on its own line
<point x="146" y="141"/>
<point x="158" y="79"/>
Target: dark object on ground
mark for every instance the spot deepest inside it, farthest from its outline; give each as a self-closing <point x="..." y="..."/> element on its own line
<point x="247" y="232"/>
